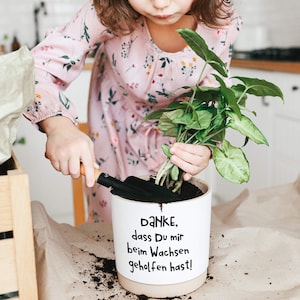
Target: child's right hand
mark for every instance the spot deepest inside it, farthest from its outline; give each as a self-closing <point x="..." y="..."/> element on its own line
<point x="67" y="147"/>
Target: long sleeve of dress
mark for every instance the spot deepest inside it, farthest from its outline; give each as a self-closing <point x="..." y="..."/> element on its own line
<point x="59" y="59"/>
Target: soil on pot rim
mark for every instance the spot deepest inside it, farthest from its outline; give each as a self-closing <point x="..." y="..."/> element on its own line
<point x="189" y="191"/>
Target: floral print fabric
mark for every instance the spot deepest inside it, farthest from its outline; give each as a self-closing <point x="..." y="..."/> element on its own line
<point x="131" y="77"/>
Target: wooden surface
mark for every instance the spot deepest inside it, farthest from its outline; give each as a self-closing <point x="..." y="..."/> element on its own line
<point x="276" y="66"/>
<point x="17" y="256"/>
<point x="78" y="190"/>
<point x="5" y="206"/>
<point x="8" y="280"/>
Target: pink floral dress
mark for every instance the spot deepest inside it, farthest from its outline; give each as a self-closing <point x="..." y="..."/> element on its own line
<point x="131" y="77"/>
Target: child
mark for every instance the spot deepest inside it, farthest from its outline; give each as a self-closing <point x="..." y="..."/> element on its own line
<point x="140" y="60"/>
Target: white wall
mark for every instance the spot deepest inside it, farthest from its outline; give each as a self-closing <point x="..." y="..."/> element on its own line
<point x="16" y="17"/>
<point x="280" y="17"/>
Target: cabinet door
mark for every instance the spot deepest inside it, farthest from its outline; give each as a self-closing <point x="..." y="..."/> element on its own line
<point x="286" y="130"/>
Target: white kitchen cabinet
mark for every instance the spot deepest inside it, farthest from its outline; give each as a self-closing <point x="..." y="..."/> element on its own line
<point x="48" y="186"/>
<point x="280" y="123"/>
<point x="286" y="131"/>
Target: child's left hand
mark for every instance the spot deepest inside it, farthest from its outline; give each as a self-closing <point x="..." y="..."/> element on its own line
<point x="192" y="159"/>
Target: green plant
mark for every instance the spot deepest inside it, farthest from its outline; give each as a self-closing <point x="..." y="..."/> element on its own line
<point x="5" y="37"/>
<point x="202" y="115"/>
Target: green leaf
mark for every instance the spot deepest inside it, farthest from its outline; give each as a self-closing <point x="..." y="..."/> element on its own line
<point x="231" y="163"/>
<point x="207" y="93"/>
<point x="176" y="105"/>
<point x="197" y="120"/>
<point x="217" y="136"/>
<point x="204" y="119"/>
<point x="154" y="115"/>
<point x="246" y="127"/>
<point x="166" y="123"/>
<point x="166" y="150"/>
<point x="199" y="46"/>
<point x="219" y="119"/>
<point x="239" y="91"/>
<point x="260" y="87"/>
<point x="174" y="173"/>
<point x="184" y="119"/>
<point x="229" y="95"/>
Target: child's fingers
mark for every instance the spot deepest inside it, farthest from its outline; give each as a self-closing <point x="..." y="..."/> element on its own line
<point x="192" y="159"/>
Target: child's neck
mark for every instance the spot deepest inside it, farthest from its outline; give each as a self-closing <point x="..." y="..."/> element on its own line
<point x="166" y="37"/>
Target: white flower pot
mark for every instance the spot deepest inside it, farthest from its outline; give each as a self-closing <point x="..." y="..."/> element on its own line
<point x="162" y="250"/>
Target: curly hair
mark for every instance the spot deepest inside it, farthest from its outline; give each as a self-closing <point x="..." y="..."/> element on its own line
<point x="120" y="18"/>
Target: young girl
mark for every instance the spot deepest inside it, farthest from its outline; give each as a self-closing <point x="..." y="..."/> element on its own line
<point x="140" y="61"/>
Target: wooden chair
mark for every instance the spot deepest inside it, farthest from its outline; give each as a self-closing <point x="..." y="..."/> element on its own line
<point x="17" y="260"/>
<point x="78" y="191"/>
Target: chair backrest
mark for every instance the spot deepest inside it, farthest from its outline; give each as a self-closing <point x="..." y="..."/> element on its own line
<point x="78" y="191"/>
<point x="17" y="260"/>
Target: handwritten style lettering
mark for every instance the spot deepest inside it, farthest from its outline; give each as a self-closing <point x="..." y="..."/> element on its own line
<point x="159" y="221"/>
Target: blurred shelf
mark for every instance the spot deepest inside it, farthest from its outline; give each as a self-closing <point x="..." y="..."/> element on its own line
<point x="268" y="65"/>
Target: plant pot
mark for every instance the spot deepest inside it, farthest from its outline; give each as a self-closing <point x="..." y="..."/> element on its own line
<point x="162" y="249"/>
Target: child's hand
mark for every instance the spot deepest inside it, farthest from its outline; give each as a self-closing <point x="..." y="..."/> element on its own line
<point x="67" y="147"/>
<point x="190" y="158"/>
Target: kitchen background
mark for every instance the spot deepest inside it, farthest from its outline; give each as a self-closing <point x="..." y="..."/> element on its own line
<point x="279" y="19"/>
<point x="268" y="23"/>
